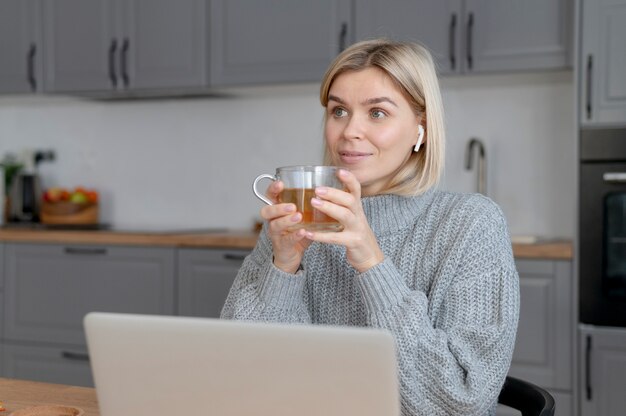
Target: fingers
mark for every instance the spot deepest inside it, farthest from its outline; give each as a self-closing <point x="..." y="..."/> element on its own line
<point x="275" y="188"/>
<point x="280" y="217"/>
<point x="351" y="182"/>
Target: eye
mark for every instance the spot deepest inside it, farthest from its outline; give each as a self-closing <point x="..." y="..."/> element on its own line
<point x="378" y="114"/>
<point x="339" y="112"/>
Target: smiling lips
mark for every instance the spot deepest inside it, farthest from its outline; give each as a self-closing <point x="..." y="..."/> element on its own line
<point x="351" y="157"/>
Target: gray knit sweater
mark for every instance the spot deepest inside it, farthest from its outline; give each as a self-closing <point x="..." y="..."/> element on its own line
<point x="447" y="290"/>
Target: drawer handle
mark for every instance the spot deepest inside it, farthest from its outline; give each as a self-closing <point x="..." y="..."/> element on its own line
<point x="237" y="257"/>
<point x="614" y="177"/>
<point x="75" y="356"/>
<point x="85" y="251"/>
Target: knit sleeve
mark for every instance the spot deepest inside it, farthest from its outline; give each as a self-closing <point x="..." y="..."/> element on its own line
<point x="262" y="292"/>
<point x="456" y="364"/>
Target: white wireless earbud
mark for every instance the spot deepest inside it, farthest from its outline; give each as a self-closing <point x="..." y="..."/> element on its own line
<point x="420" y="137"/>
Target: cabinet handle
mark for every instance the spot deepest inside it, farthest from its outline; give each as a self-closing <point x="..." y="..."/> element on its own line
<point x="112" y="72"/>
<point x="85" y="251"/>
<point x="614" y="177"/>
<point x="343" y="34"/>
<point x="124" y="62"/>
<point x="470" y="30"/>
<point x="588" y="367"/>
<point x="30" y="65"/>
<point x="232" y="256"/>
<point x="452" y="41"/>
<point x="589" y="79"/>
<point x="75" y="356"/>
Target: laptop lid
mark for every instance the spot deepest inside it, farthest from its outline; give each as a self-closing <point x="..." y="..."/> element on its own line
<point x="147" y="365"/>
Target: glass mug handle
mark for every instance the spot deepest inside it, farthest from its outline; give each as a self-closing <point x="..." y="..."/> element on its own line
<point x="256" y="181"/>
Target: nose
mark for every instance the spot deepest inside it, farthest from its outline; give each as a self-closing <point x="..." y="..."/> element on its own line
<point x="354" y="128"/>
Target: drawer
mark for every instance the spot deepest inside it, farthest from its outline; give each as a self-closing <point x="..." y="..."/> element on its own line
<point x="50" y="288"/>
<point x="46" y="364"/>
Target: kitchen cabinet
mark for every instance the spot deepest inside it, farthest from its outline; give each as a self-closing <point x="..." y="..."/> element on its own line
<point x="467" y="36"/>
<point x="50" y="287"/>
<point x="124" y="45"/>
<point x="20" y="47"/>
<point x="603" y="63"/>
<point x="205" y="278"/>
<point x="275" y="40"/>
<point x="603" y="370"/>
<point x="543" y="352"/>
<point x="51" y="364"/>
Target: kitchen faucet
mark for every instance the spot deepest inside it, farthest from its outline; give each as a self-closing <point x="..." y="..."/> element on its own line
<point x="481" y="172"/>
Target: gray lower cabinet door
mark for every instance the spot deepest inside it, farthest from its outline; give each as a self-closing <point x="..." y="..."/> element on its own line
<point x="603" y="371"/>
<point x="275" y="40"/>
<point x="164" y="44"/>
<point x="543" y="347"/>
<point x="205" y="278"/>
<point x="517" y="35"/>
<point x="602" y="62"/>
<point x="20" y="51"/>
<point x="435" y="24"/>
<point x="62" y="365"/>
<point x="50" y="288"/>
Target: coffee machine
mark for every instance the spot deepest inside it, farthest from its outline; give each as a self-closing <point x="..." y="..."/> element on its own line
<point x="25" y="188"/>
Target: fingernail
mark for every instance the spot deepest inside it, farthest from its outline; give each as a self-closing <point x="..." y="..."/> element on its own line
<point x="308" y="234"/>
<point x="316" y="202"/>
<point x="343" y="172"/>
<point x="321" y="190"/>
<point x="290" y="208"/>
<point x="296" y="217"/>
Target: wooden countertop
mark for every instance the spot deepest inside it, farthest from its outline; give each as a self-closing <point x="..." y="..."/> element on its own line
<point x="227" y="239"/>
<point x="241" y="239"/>
<point x="18" y="394"/>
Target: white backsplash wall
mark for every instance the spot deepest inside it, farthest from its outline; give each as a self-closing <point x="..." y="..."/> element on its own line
<point x="190" y="163"/>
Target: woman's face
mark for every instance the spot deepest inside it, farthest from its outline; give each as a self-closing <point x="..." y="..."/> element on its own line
<point x="370" y="127"/>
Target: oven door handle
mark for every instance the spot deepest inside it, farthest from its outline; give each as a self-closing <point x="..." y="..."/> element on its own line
<point x="614" y="177"/>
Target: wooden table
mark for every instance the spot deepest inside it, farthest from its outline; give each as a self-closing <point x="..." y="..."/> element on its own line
<point x="17" y="394"/>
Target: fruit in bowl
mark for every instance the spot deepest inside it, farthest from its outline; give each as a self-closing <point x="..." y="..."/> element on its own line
<point x="64" y="206"/>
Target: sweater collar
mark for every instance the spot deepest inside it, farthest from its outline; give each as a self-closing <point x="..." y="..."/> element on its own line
<point x="390" y="213"/>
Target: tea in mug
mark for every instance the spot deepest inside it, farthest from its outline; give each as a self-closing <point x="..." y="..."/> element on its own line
<point x="312" y="218"/>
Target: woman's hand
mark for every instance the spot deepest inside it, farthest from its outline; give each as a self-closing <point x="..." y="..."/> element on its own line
<point x="288" y="246"/>
<point x="362" y="249"/>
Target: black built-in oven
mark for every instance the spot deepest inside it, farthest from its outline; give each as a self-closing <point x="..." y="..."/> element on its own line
<point x="602" y="227"/>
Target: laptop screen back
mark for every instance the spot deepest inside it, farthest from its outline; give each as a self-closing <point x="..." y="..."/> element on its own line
<point x="146" y="365"/>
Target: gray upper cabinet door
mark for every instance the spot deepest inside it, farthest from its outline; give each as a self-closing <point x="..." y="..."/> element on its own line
<point x="20" y="51"/>
<point x="603" y="62"/>
<point x="543" y="347"/>
<point x="435" y="24"/>
<point x="50" y="288"/>
<point x="205" y="278"/>
<point x="275" y="40"/>
<point x="603" y="371"/>
<point x="164" y="44"/>
<point x="502" y="35"/>
<point x="79" y="45"/>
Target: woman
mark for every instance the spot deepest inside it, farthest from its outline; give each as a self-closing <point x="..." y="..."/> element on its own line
<point x="434" y="268"/>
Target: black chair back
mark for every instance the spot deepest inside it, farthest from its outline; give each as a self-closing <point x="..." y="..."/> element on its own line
<point x="526" y="397"/>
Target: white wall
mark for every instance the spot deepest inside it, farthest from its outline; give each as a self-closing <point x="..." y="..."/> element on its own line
<point x="190" y="163"/>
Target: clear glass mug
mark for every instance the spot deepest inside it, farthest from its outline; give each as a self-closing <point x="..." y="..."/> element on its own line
<point x="299" y="187"/>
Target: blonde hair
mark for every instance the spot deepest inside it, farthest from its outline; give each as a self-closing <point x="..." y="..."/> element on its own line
<point x="411" y="67"/>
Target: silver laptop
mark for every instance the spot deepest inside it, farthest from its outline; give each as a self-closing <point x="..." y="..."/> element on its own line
<point x="149" y="365"/>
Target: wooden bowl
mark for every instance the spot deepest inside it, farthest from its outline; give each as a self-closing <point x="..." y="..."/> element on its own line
<point x="49" y="410"/>
<point x="65" y="212"/>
